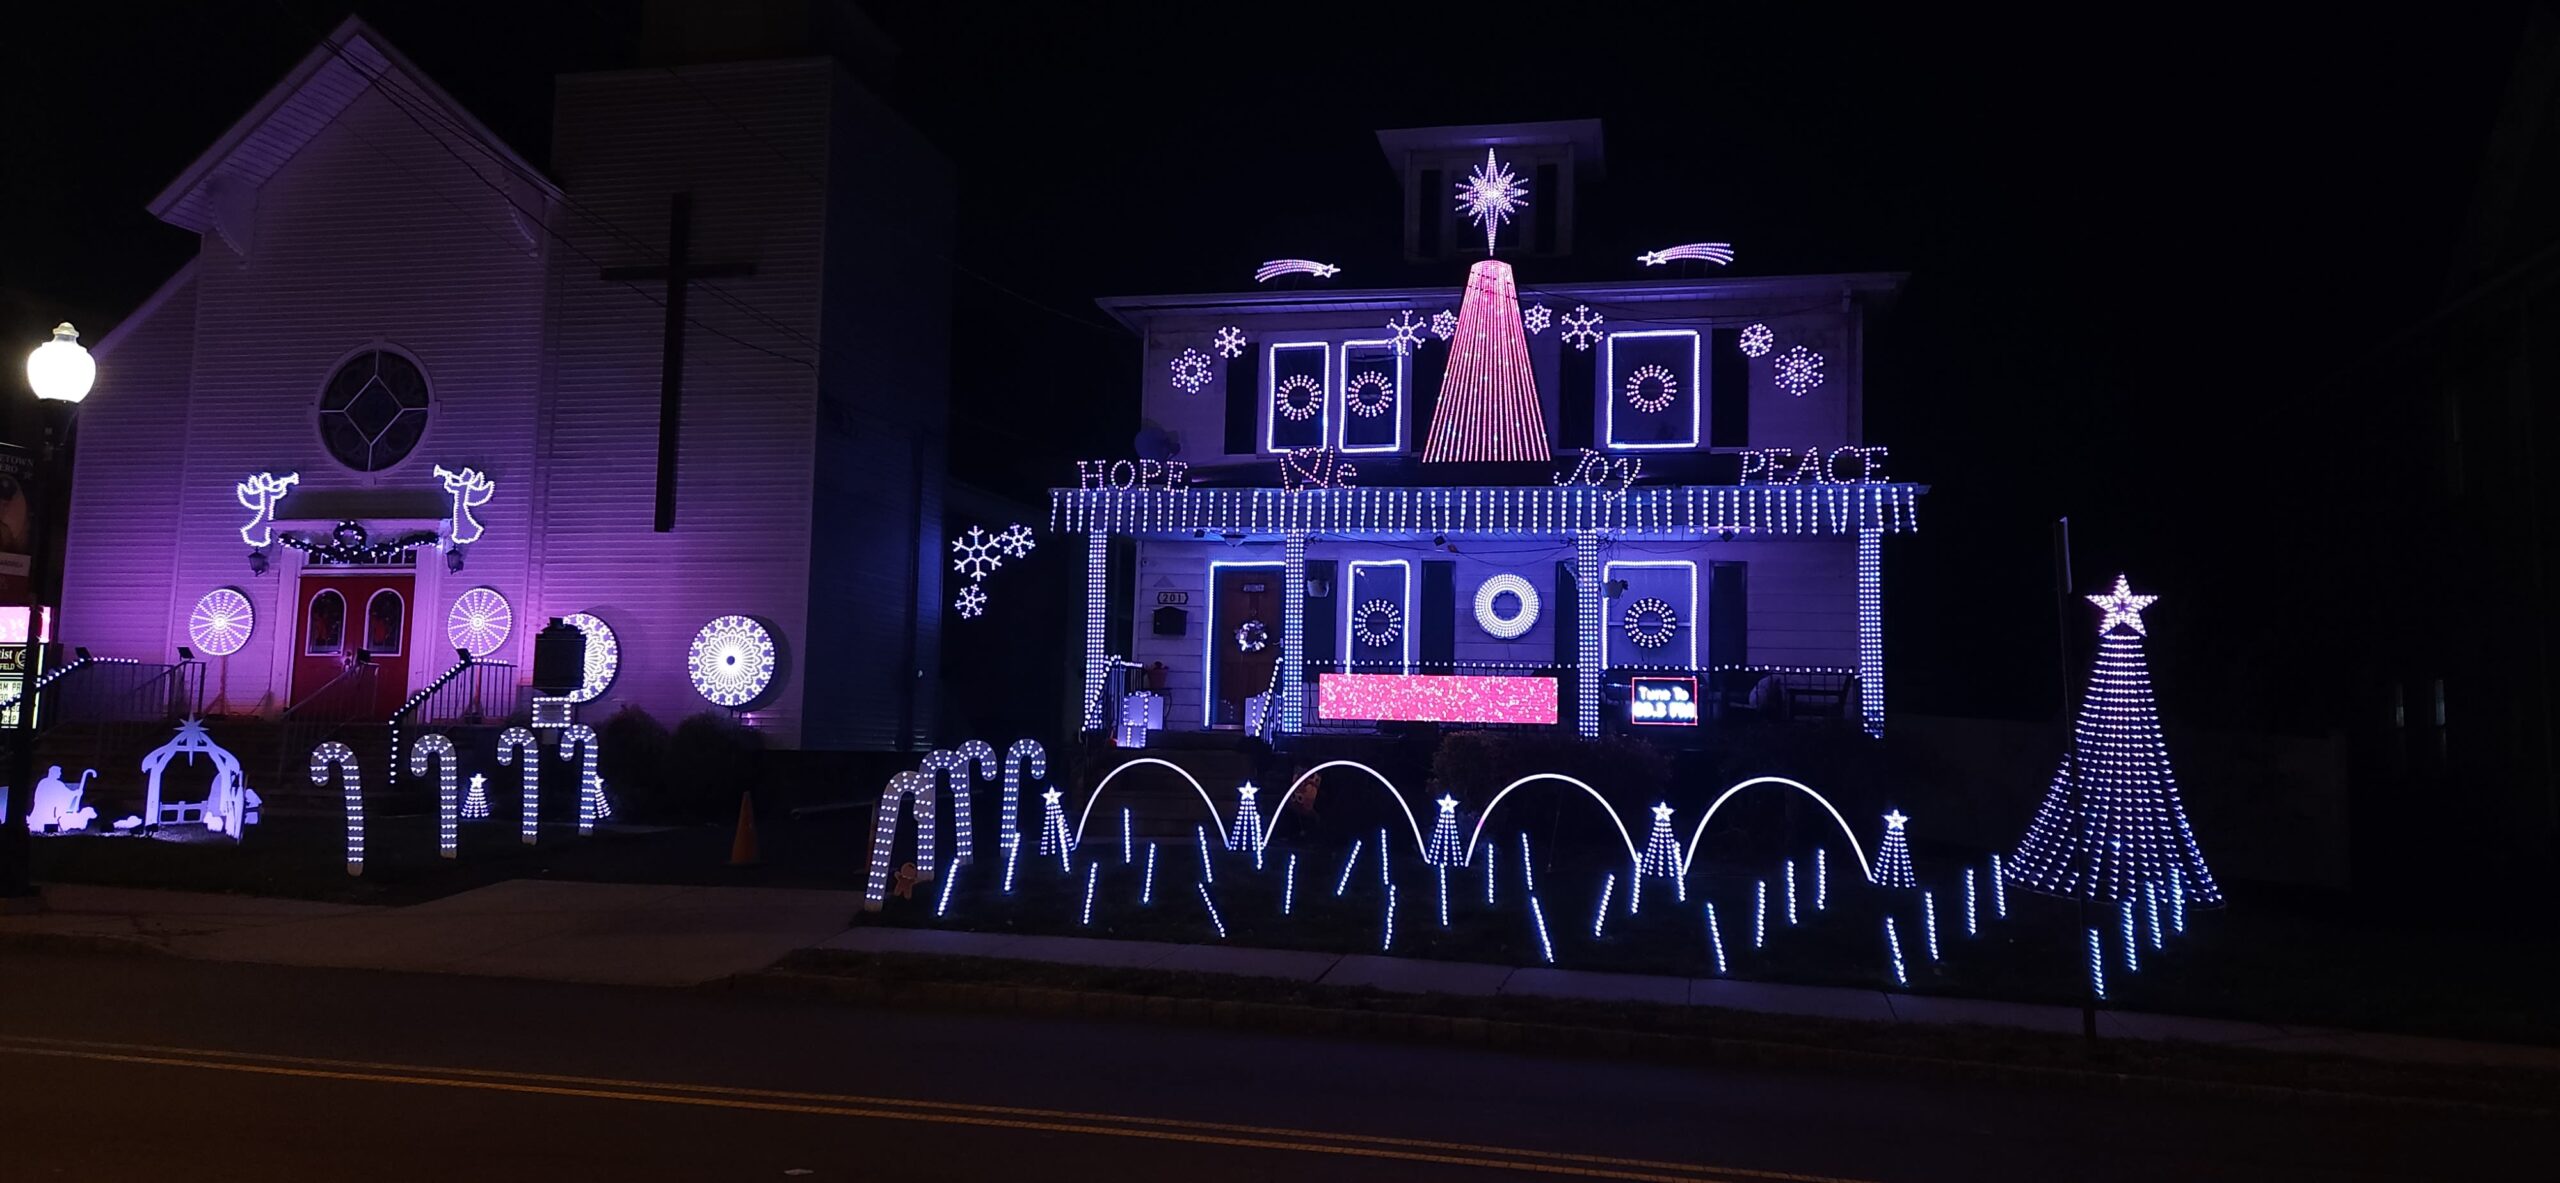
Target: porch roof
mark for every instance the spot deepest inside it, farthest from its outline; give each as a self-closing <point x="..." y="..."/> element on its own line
<point x="1672" y="511"/>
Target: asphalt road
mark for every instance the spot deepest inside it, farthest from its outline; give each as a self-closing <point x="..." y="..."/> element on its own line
<point x="125" y="1067"/>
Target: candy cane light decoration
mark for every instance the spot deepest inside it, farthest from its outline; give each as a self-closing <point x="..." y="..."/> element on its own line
<point x="448" y="800"/>
<point x="915" y="791"/>
<point x="1025" y="754"/>
<point x="578" y="742"/>
<point x="351" y="783"/>
<point x="516" y="743"/>
<point x="956" y="766"/>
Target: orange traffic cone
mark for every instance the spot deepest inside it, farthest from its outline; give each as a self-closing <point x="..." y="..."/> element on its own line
<point x="742" y="849"/>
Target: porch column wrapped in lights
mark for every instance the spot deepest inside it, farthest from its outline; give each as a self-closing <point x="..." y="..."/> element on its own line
<point x="1586" y="577"/>
<point x="1097" y="590"/>
<point x="1871" y="630"/>
<point x="1293" y="634"/>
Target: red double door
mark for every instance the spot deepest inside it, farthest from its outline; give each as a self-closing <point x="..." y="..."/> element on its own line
<point x="339" y="614"/>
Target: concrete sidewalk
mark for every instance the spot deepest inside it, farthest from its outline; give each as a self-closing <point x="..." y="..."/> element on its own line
<point x="651" y="935"/>
<point x="1414" y="975"/>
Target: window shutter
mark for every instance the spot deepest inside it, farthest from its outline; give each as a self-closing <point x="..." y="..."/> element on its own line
<point x="1437" y="646"/>
<point x="1728" y="391"/>
<point x="1244" y="399"/>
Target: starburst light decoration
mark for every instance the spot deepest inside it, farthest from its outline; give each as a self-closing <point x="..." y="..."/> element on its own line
<point x="1407" y="330"/>
<point x="972" y="602"/>
<point x="1016" y="541"/>
<point x="1651" y="623"/>
<point x="1582" y="327"/>
<point x="479" y="621"/>
<point x="221" y="623"/>
<point x="1370" y="394"/>
<point x="976" y="553"/>
<point x="1230" y="342"/>
<point x="1190" y="370"/>
<point x="1651" y="388"/>
<point x="1443" y="323"/>
<point x="1757" y="340"/>
<point x="604" y="657"/>
<point x="1297" y="397"/>
<point x="1536" y="318"/>
<point x="1490" y="195"/>
<point x="731" y="660"/>
<point x="1799" y="370"/>
<point x="1378" y="623"/>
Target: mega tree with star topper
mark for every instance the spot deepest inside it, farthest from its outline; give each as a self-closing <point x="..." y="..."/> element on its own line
<point x="2112" y="825"/>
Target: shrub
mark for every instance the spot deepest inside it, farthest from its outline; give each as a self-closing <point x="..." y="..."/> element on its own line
<point x="631" y="755"/>
<point x="710" y="762"/>
<point x="1475" y="765"/>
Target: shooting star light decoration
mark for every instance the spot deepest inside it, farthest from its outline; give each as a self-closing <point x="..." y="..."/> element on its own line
<point x="1279" y="267"/>
<point x="1713" y="252"/>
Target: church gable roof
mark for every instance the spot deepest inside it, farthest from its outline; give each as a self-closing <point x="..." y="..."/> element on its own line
<point x="351" y="60"/>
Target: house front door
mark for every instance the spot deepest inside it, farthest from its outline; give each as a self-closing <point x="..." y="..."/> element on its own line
<point x="342" y="612"/>
<point x="1244" y="638"/>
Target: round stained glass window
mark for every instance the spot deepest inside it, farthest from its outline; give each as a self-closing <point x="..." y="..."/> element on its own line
<point x="373" y="412"/>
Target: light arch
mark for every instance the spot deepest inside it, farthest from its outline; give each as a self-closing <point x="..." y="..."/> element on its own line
<point x="1096" y="795"/>
<point x="1699" y="835"/>
<point x="1487" y="815"/>
<point x="1271" y="826"/>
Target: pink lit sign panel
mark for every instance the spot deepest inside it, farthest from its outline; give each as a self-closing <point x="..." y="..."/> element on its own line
<point x="1436" y="698"/>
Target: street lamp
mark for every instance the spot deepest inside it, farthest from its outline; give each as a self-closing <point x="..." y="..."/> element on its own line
<point x="59" y="371"/>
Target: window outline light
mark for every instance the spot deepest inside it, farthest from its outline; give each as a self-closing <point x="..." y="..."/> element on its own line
<point x="1351" y="608"/>
<point x="1209" y="640"/>
<point x="1609" y="370"/>
<point x="1399" y="412"/>
<point x="1271" y="386"/>
<point x="1688" y="626"/>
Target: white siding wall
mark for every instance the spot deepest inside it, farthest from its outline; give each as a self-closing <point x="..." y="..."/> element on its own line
<point x="124" y="522"/>
<point x="374" y="234"/>
<point x="627" y="141"/>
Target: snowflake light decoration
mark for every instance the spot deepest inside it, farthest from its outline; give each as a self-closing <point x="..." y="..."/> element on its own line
<point x="1444" y="323"/>
<point x="1651" y="623"/>
<point x="1490" y="195"/>
<point x="1582" y="327"/>
<point x="1191" y="370"/>
<point x="1369" y="394"/>
<point x="604" y="657"/>
<point x="1230" y="342"/>
<point x="1408" y="332"/>
<point x="1536" y="317"/>
<point x="972" y="602"/>
<point x="1297" y="397"/>
<point x="731" y="661"/>
<point x="479" y="621"/>
<point x="221" y="623"/>
<point x="1651" y="389"/>
<point x="1016" y="541"/>
<point x="977" y="553"/>
<point x="1799" y="370"/>
<point x="1379" y="623"/>
<point x="1757" y="339"/>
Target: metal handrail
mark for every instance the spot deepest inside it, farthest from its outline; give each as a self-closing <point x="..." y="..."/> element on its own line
<point x="335" y="703"/>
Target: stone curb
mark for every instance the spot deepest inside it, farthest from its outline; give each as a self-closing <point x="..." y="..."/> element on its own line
<point x="1549" y="1038"/>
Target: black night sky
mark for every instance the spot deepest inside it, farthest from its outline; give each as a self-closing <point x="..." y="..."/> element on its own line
<point x="2139" y="244"/>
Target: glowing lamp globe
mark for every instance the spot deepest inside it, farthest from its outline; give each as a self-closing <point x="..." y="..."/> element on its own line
<point x="60" y="369"/>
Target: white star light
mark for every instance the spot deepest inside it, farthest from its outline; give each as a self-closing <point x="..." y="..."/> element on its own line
<point x="1490" y="195"/>
<point x="1662" y="812"/>
<point x="1050" y="797"/>
<point x="2122" y="607"/>
<point x="1247" y="790"/>
<point x="1448" y="805"/>
<point x="1893" y="821"/>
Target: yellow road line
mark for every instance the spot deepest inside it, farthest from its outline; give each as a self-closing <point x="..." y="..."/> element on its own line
<point x="901" y="1109"/>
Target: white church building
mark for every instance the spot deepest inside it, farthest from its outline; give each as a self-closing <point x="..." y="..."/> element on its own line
<point x="416" y="395"/>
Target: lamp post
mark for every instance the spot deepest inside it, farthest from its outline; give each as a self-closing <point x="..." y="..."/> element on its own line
<point x="60" y="373"/>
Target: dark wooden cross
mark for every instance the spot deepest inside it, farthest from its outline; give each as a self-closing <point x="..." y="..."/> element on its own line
<point x="678" y="272"/>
